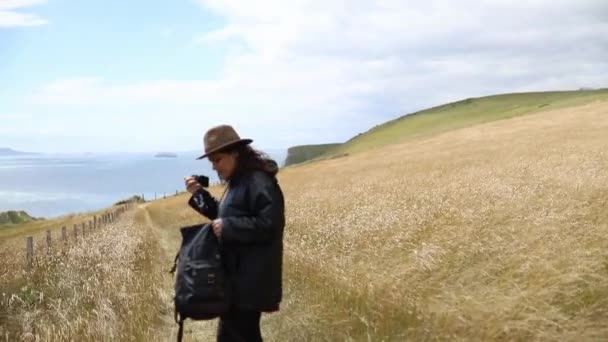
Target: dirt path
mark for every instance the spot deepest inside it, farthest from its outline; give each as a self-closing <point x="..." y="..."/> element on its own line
<point x="168" y="240"/>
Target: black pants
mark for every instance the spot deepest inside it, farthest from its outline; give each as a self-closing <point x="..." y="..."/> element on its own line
<point x="240" y="326"/>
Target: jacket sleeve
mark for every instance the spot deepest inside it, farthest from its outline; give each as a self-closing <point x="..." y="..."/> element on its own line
<point x="204" y="204"/>
<point x="266" y="200"/>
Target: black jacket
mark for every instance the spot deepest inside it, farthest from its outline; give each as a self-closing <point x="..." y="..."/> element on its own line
<point x="253" y="214"/>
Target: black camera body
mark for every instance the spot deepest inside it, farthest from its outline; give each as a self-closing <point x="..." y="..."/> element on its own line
<point x="202" y="180"/>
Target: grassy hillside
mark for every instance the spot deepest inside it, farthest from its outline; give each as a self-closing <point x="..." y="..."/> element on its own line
<point x="299" y="154"/>
<point x="465" y="113"/>
<point x="491" y="233"/>
<point x="12" y="217"/>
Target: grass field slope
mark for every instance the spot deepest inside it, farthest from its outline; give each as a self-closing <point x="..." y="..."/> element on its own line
<point x="465" y="113"/>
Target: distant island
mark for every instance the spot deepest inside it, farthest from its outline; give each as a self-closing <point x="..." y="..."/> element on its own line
<point x="16" y="217"/>
<point x="166" y="155"/>
<point x="11" y="152"/>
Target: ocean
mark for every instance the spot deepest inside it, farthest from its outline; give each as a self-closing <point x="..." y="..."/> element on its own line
<point x="53" y="185"/>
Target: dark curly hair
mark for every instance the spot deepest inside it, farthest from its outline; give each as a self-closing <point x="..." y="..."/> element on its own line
<point x="250" y="159"/>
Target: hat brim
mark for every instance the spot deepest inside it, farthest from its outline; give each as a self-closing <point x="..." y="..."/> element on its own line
<point x="219" y="148"/>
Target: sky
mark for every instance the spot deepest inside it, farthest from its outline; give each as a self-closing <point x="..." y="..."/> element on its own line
<point x="154" y="75"/>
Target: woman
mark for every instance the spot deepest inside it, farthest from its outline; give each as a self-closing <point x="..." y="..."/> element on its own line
<point x="249" y="222"/>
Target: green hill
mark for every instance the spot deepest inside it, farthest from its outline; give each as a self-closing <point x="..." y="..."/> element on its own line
<point x="299" y="154"/>
<point x="15" y="217"/>
<point x="462" y="114"/>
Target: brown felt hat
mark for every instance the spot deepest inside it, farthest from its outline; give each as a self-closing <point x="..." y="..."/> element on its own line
<point x="220" y="137"/>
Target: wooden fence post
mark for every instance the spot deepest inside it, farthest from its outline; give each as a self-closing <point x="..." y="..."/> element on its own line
<point x="75" y="232"/>
<point x="64" y="235"/>
<point x="48" y="240"/>
<point x="29" y="253"/>
<point x="94" y="221"/>
<point x="83" y="230"/>
<point x="90" y="225"/>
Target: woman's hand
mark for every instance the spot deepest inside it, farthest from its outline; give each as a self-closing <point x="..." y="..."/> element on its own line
<point x="217" y="226"/>
<point x="192" y="186"/>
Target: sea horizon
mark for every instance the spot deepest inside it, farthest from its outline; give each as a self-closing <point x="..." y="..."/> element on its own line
<point x="51" y="185"/>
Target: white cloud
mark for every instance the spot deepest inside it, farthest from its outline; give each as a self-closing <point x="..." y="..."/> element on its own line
<point x="324" y="71"/>
<point x="12" y="13"/>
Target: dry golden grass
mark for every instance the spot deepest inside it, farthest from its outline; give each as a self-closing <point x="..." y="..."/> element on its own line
<point x="490" y="233"/>
<point x="102" y="288"/>
<point x="495" y="232"/>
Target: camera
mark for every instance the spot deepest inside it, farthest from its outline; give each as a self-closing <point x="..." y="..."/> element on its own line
<point x="202" y="180"/>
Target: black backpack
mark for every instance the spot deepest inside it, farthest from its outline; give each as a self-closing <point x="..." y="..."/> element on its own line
<point x="201" y="286"/>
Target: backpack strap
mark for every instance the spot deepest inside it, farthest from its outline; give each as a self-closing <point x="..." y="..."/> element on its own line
<point x="219" y="240"/>
<point x="174" y="263"/>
